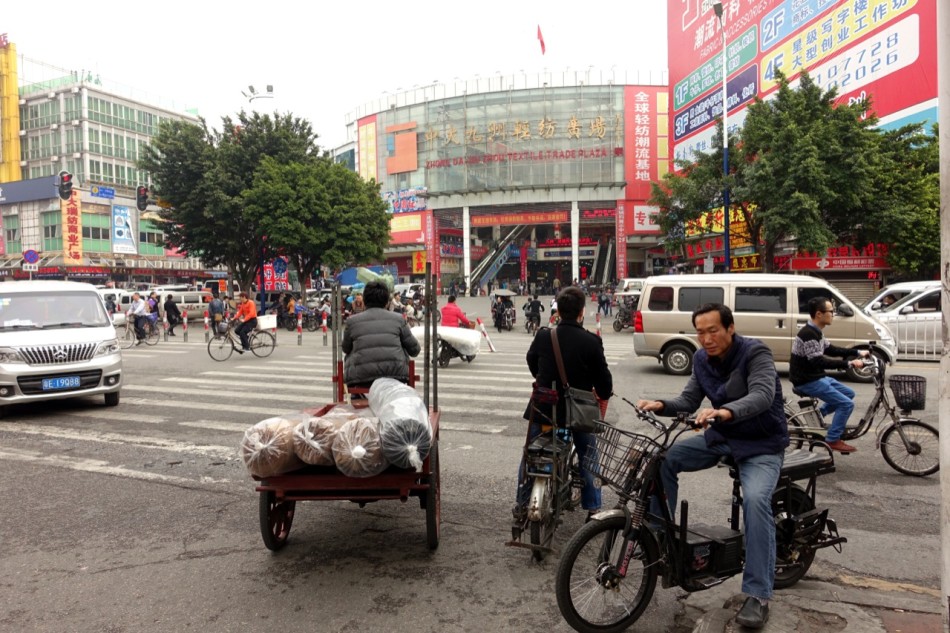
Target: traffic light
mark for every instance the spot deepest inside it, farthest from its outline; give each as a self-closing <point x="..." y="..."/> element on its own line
<point x="65" y="185"/>
<point x="141" y="197"/>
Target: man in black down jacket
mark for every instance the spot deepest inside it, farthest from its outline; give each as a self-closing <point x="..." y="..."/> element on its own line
<point x="377" y="342"/>
<point x="586" y="369"/>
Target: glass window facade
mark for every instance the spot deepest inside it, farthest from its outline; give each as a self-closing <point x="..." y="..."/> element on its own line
<point x="517" y="138"/>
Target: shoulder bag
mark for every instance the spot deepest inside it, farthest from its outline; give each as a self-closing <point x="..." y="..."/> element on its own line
<point x="581" y="407"/>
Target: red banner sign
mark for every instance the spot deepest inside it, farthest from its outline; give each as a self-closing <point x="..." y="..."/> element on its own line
<point x="541" y="217"/>
<point x="837" y="263"/>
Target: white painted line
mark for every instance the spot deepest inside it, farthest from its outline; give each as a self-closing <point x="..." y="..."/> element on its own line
<point x="113" y="415"/>
<point x="102" y="468"/>
<point x="267" y="412"/>
<point x="160" y="443"/>
<point x="470" y="428"/>
<point x="209" y="385"/>
<point x="236" y="427"/>
<point x="221" y="393"/>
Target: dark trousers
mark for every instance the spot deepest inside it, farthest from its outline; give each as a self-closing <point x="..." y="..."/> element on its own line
<point x="244" y="331"/>
<point x="140" y="326"/>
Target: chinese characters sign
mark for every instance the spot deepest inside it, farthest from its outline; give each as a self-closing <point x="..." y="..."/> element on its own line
<point x="540" y="217"/>
<point x="406" y="200"/>
<point x="646" y="138"/>
<point x="72" y="229"/>
<point x="604" y="128"/>
<point x="505" y="157"/>
<point x="275" y="275"/>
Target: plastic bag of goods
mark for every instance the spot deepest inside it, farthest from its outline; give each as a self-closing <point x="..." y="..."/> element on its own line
<point x="356" y="448"/>
<point x="404" y="429"/>
<point x="268" y="447"/>
<point x="313" y="439"/>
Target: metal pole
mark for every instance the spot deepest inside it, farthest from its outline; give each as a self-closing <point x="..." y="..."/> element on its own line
<point x="943" y="379"/>
<point x="261" y="281"/>
<point x="725" y="142"/>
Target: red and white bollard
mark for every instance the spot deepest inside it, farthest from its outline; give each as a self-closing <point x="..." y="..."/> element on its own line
<point x="324" y="326"/>
<point x="207" y="333"/>
<point x="273" y="331"/>
<point x="481" y="326"/>
<point x="165" y="327"/>
<point x="598" y="323"/>
<point x="184" y="325"/>
<point x="299" y="329"/>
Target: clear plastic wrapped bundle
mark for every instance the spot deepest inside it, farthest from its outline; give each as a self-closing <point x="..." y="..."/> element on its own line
<point x="356" y="448"/>
<point x="313" y="439"/>
<point x="268" y="447"/>
<point x="404" y="430"/>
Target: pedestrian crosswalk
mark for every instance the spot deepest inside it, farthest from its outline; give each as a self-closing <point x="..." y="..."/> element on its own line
<point x="178" y="402"/>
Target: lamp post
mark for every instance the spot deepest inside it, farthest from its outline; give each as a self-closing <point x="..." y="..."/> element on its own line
<point x="251" y="95"/>
<point x="717" y="7"/>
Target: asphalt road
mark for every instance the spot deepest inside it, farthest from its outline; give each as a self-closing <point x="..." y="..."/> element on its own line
<point x="143" y="518"/>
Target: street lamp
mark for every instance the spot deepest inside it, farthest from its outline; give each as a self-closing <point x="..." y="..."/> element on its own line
<point x="717" y="7"/>
<point x="251" y="95"/>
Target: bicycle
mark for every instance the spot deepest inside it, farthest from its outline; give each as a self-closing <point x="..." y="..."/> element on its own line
<point x="223" y="344"/>
<point x="553" y="467"/>
<point x="131" y="336"/>
<point x="908" y="445"/>
<point x="531" y="323"/>
<point x="609" y="569"/>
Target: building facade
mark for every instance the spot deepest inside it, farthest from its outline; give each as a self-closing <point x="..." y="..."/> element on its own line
<point x="519" y="179"/>
<point x="72" y="123"/>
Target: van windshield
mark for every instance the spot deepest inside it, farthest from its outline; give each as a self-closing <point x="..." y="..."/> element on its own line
<point x="41" y="311"/>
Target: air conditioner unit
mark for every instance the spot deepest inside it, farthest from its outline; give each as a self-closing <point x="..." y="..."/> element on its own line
<point x="53" y="159"/>
<point x="22" y="132"/>
<point x="74" y="122"/>
<point x="77" y="155"/>
<point x="22" y="101"/>
<point x="23" y="163"/>
<point x="51" y="95"/>
<point x="54" y="126"/>
<point x="75" y="89"/>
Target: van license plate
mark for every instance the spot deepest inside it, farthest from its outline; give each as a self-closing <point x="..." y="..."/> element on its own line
<point x="63" y="382"/>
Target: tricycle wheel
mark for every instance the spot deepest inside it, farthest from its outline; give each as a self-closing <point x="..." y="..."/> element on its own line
<point x="276" y="519"/>
<point x="618" y="324"/>
<point x="434" y="500"/>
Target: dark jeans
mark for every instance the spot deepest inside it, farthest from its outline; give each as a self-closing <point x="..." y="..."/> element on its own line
<point x="244" y="331"/>
<point x="140" y="326"/>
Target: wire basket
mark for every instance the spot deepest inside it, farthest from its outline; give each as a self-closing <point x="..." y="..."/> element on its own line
<point x="620" y="458"/>
<point x="910" y="392"/>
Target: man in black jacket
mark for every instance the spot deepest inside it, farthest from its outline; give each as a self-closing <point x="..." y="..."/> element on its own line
<point x="172" y="313"/>
<point x="586" y="368"/>
<point x="809" y="360"/>
<point x="377" y="342"/>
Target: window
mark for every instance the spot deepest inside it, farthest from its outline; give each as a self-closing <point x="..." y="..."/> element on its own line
<point x="753" y="299"/>
<point x="929" y="303"/>
<point x="692" y="298"/>
<point x="51" y="231"/>
<point x="806" y="294"/>
<point x="661" y="299"/>
<point x="95" y="233"/>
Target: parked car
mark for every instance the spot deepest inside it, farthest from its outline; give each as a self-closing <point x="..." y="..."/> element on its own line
<point x="891" y="294"/>
<point x="916" y="321"/>
<point x="56" y="341"/>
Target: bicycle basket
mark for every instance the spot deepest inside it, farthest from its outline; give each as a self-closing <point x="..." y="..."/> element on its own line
<point x="222" y="327"/>
<point x="910" y="392"/>
<point x="619" y="457"/>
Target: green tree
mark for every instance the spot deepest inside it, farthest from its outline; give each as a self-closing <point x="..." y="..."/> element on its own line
<point x="317" y="213"/>
<point x="200" y="176"/>
<point x="906" y="210"/>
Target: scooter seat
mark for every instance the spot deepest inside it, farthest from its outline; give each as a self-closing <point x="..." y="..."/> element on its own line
<point x="798" y="392"/>
<point x="543" y="445"/>
<point x="798" y="464"/>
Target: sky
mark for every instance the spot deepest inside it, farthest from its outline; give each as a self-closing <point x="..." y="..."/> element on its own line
<point x="323" y="58"/>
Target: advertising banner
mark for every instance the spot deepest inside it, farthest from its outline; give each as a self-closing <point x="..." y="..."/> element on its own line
<point x="881" y="50"/>
<point x="538" y="217"/>
<point x="407" y="228"/>
<point x="366" y="132"/>
<point x="123" y="237"/>
<point x="275" y="275"/>
<point x="72" y="229"/>
<point x="646" y="138"/>
<point x="621" y="240"/>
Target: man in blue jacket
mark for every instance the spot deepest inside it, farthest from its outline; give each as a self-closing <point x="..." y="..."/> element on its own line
<point x="746" y="421"/>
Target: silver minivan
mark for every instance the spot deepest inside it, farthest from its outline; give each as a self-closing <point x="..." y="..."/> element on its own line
<point x="56" y="341"/>
<point x="769" y="307"/>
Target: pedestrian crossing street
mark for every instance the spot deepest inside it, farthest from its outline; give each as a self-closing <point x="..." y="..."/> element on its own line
<point x="178" y="405"/>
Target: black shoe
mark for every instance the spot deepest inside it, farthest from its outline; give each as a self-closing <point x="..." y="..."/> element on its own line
<point x="239" y="351"/>
<point x="590" y="515"/>
<point x="753" y="614"/>
<point x="171" y="334"/>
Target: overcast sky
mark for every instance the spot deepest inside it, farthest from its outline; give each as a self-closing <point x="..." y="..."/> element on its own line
<point x="324" y="58"/>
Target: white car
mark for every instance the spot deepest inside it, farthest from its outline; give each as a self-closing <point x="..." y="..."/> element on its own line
<point x="916" y="322"/>
<point x="891" y="294"/>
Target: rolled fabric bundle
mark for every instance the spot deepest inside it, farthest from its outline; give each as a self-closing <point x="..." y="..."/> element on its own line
<point x="356" y="448"/>
<point x="268" y="447"/>
<point x="405" y="433"/>
<point x="313" y="439"/>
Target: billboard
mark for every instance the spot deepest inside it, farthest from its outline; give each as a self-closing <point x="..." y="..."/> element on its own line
<point x="72" y="229"/>
<point x="123" y="238"/>
<point x="407" y="228"/>
<point x="880" y="49"/>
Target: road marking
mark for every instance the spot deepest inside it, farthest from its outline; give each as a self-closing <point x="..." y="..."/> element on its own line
<point x="213" y="425"/>
<point x="102" y="468"/>
<point x="222" y="393"/>
<point x="209" y="406"/>
<point x="469" y="428"/>
<point x="160" y="443"/>
<point x="102" y="415"/>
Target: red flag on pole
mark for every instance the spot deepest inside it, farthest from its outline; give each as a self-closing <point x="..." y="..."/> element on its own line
<point x="541" y="39"/>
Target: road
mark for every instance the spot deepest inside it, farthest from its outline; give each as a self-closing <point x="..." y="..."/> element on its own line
<point x="142" y="517"/>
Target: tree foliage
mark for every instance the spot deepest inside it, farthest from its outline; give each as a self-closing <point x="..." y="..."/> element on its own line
<point x="807" y="173"/>
<point x="319" y="213"/>
<point x="200" y="176"/>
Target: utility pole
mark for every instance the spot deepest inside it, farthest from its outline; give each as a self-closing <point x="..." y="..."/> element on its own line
<point x="943" y="378"/>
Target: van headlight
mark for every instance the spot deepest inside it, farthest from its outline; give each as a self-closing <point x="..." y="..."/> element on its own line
<point x="10" y="355"/>
<point x="108" y="347"/>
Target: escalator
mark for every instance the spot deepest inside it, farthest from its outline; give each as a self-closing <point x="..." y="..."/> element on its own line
<point x="488" y="267"/>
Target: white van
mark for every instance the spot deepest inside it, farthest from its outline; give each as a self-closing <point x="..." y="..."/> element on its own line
<point x="56" y="341"/>
<point x="891" y="294"/>
<point x="769" y="307"/>
<point x="195" y="302"/>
